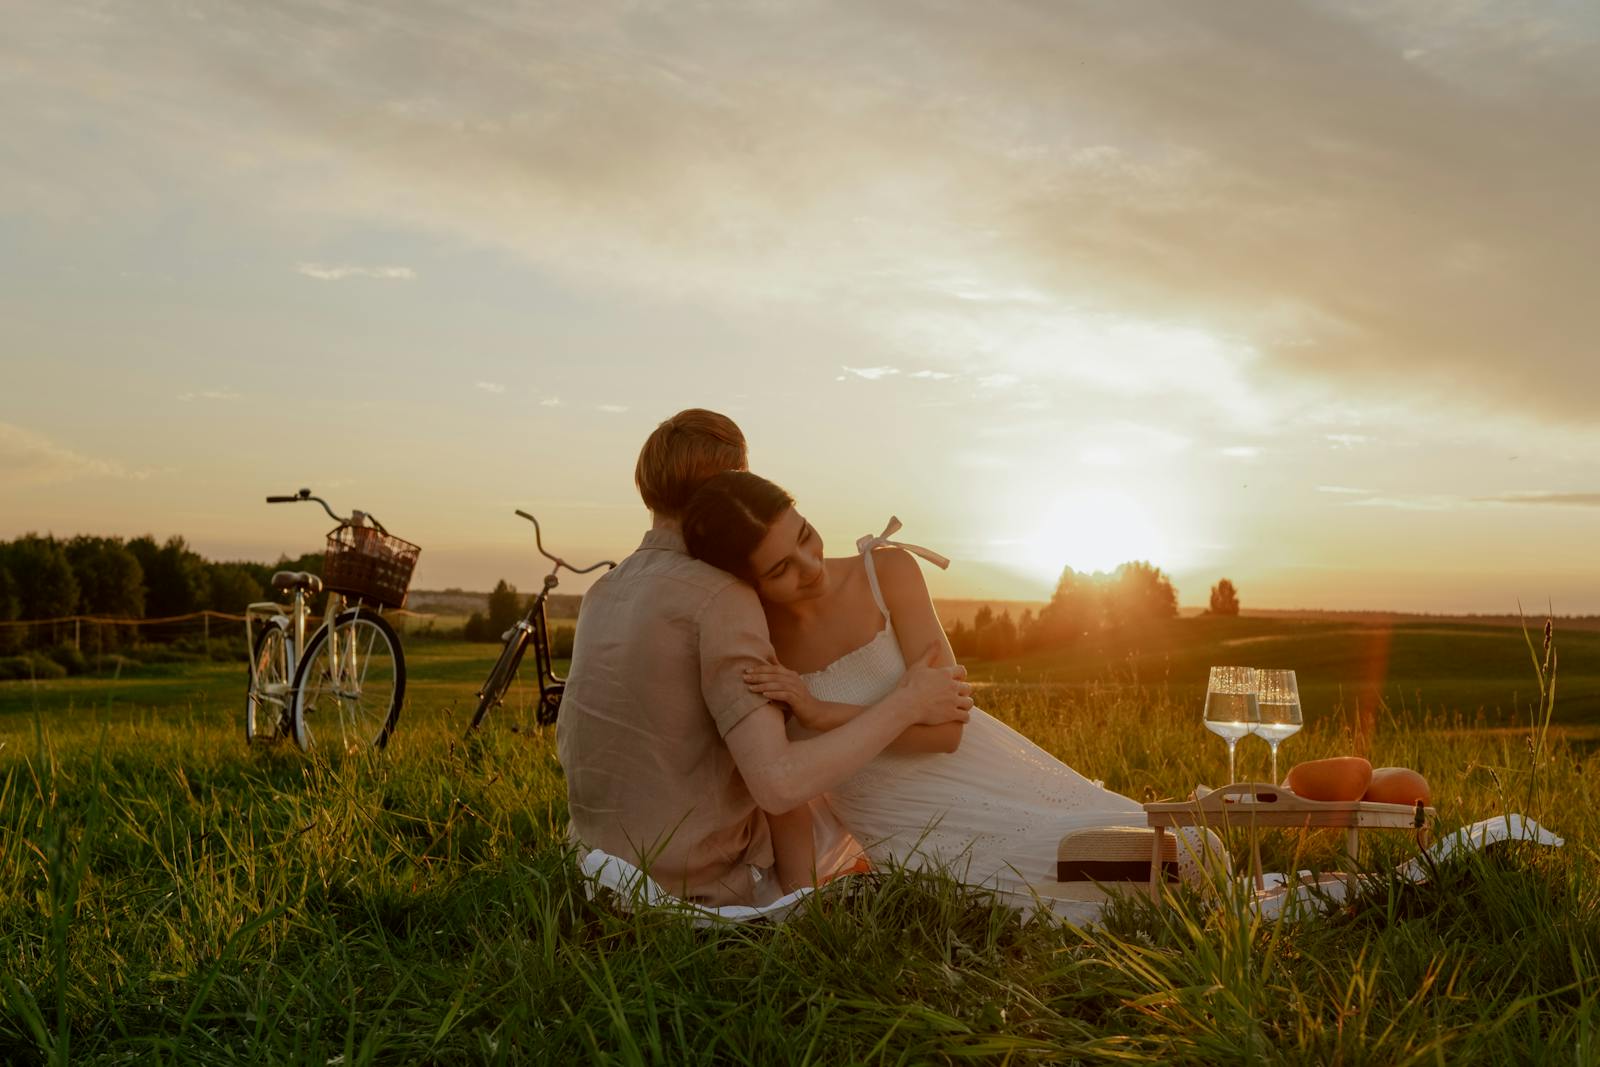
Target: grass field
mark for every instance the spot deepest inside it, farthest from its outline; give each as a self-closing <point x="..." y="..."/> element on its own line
<point x="168" y="896"/>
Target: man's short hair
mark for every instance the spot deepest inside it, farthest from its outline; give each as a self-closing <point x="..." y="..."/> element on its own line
<point x="682" y="453"/>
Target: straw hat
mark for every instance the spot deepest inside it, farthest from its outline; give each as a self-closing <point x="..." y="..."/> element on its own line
<point x="1093" y="864"/>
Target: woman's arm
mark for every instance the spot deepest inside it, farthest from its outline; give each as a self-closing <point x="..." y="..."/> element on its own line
<point x="917" y="628"/>
<point x="781" y="685"/>
<point x="794" y="848"/>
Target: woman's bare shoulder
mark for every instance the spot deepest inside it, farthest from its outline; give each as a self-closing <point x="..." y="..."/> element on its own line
<point x="896" y="565"/>
<point x="898" y="570"/>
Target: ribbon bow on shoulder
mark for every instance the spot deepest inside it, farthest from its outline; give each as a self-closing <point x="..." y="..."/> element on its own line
<point x="869" y="542"/>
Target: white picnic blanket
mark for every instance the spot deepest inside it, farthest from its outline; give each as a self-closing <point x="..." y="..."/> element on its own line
<point x="1309" y="894"/>
<point x="638" y="890"/>
<point x="1306" y="895"/>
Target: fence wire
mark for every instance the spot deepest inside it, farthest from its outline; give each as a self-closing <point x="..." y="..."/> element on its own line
<point x="93" y="634"/>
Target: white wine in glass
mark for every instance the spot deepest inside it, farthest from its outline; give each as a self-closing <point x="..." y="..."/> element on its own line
<point x="1279" y="704"/>
<point x="1232" y="708"/>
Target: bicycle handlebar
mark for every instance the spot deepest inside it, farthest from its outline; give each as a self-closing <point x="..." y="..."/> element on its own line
<point x="305" y="494"/>
<point x="538" y="539"/>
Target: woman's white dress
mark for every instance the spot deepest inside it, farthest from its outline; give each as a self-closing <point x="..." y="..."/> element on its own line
<point x="992" y="812"/>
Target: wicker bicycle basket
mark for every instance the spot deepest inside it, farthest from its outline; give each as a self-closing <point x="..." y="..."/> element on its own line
<point x="368" y="564"/>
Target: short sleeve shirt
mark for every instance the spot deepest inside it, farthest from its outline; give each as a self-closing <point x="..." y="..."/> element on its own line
<point x="657" y="680"/>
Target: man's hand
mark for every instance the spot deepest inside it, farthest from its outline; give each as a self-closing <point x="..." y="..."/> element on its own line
<point x="939" y="694"/>
<point x="782" y="686"/>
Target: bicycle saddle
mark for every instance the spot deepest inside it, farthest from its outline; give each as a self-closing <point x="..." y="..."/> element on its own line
<point x="287" y="580"/>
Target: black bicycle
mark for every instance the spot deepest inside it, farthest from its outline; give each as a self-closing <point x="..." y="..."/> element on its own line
<point x="533" y="628"/>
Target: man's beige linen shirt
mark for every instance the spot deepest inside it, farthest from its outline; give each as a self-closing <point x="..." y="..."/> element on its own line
<point x="657" y="681"/>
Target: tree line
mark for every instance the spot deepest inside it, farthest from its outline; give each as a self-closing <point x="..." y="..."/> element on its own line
<point x="45" y="577"/>
<point x="1135" y="595"/>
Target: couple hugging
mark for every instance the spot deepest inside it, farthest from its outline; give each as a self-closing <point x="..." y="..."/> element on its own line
<point x="744" y="715"/>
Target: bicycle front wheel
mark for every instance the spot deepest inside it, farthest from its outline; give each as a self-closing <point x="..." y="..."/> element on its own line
<point x="350" y="683"/>
<point x="266" y="701"/>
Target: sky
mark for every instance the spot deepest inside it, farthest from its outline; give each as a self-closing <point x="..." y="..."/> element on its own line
<point x="1299" y="294"/>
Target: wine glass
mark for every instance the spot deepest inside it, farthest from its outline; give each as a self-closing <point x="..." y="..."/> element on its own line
<point x="1231" y="706"/>
<point x="1279" y="704"/>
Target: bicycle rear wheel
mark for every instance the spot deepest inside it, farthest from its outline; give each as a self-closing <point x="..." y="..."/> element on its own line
<point x="493" y="693"/>
<point x="350" y="683"/>
<point x="550" y="703"/>
<point x="266" y="699"/>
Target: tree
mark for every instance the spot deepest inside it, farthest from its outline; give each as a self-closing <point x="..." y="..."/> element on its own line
<point x="504" y="608"/>
<point x="230" y="587"/>
<point x="982" y="620"/>
<point x="311" y="563"/>
<point x="175" y="578"/>
<point x="1075" y="609"/>
<point x="10" y="636"/>
<point x="45" y="586"/>
<point x="998" y="640"/>
<point x="1139" y="593"/>
<point x="110" y="579"/>
<point x="1026" y="638"/>
<point x="1224" y="598"/>
<point x="961" y="642"/>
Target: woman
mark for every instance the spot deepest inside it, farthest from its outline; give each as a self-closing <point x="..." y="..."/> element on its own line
<point x="981" y="800"/>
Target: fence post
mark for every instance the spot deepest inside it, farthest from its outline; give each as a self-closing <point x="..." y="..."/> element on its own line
<point x="77" y="634"/>
<point x="206" y="616"/>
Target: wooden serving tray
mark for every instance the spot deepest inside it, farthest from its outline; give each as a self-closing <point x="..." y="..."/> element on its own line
<point x="1265" y="804"/>
<point x="1258" y="804"/>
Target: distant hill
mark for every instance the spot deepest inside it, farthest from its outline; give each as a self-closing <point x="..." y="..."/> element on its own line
<point x="565" y="606"/>
<point x="952" y="611"/>
<point x="1535" y="619"/>
<point x="464" y="602"/>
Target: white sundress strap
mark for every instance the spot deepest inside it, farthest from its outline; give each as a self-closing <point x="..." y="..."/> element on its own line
<point x="867" y="543"/>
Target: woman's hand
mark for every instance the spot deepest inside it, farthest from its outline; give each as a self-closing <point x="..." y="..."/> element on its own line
<point x="782" y="686"/>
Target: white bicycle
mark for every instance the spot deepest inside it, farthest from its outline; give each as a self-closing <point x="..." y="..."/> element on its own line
<point x="350" y="673"/>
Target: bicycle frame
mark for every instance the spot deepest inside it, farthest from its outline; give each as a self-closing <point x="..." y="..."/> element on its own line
<point x="294" y="616"/>
<point x="537" y="626"/>
<point x="534" y="626"/>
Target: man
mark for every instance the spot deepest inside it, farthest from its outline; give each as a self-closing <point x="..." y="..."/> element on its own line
<point x="671" y="762"/>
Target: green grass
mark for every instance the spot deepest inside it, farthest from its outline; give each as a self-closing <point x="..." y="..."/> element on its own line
<point x="167" y="896"/>
<point x="1475" y="672"/>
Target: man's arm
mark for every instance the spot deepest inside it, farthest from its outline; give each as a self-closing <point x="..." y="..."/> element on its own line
<point x="794" y="848"/>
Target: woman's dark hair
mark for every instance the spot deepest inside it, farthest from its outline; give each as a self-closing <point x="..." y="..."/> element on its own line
<point x="727" y="518"/>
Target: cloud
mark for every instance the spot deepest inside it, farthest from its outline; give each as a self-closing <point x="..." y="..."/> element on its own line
<point x="490" y="387"/>
<point x="550" y="402"/>
<point x="1240" y="451"/>
<point x="28" y="459"/>
<point x="1581" y="500"/>
<point x="325" y="273"/>
<point x="871" y="374"/>
<point x="1394" y="200"/>
<point x="933" y="375"/>
<point x="1420" y="502"/>
<point x="223" y="393"/>
<point x="1342" y="490"/>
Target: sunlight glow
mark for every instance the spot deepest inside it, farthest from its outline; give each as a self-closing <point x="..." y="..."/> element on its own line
<point x="1090" y="530"/>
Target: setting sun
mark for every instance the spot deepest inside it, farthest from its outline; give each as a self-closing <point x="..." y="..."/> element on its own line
<point x="1091" y="530"/>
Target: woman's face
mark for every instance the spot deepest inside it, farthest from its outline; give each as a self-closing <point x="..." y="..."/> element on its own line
<point x="787" y="564"/>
